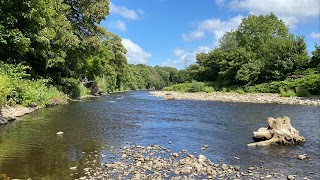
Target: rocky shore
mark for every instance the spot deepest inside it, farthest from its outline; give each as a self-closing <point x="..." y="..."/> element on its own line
<point x="156" y="162"/>
<point x="10" y="113"/>
<point x="236" y="97"/>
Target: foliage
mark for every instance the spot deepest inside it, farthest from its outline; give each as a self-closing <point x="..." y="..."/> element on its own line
<point x="261" y="50"/>
<point x="302" y="92"/>
<point x="287" y="93"/>
<point x="14" y="89"/>
<point x="315" y="59"/>
<point x="309" y="83"/>
<point x="52" y="37"/>
<point x="194" y="86"/>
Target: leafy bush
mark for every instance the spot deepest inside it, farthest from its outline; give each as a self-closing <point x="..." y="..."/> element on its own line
<point x="287" y="93"/>
<point x="182" y="87"/>
<point x="309" y="82"/>
<point x="224" y="89"/>
<point x="208" y="89"/>
<point x="240" y="90"/>
<point x="196" y="87"/>
<point x="71" y="87"/>
<point x="302" y="92"/>
<point x="190" y="87"/>
<point x="169" y="88"/>
<point x="14" y="89"/>
<point x="83" y="90"/>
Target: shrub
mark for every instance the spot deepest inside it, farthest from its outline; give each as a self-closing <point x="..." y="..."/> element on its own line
<point x="71" y="87"/>
<point x="302" y="92"/>
<point x="310" y="83"/>
<point x="15" y="89"/>
<point x="196" y="87"/>
<point x="169" y="88"/>
<point x="287" y="93"/>
<point x="208" y="89"/>
<point x="224" y="89"/>
<point x="190" y="87"/>
<point x="83" y="90"/>
<point x="240" y="90"/>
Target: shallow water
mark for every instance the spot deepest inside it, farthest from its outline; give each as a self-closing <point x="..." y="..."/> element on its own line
<point x="30" y="148"/>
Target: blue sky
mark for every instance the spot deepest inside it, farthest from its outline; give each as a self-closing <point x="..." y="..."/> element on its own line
<point x="172" y="32"/>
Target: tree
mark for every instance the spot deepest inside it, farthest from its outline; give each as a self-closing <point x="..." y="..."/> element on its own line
<point x="53" y="37"/>
<point x="315" y="59"/>
<point x="254" y="31"/>
<point x="260" y="50"/>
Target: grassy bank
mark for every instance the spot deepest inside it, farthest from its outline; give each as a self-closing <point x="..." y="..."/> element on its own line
<point x="17" y="88"/>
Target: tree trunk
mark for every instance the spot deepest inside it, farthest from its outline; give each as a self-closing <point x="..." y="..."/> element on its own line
<point x="279" y="131"/>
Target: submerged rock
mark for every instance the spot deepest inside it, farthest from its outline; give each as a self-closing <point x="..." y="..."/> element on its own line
<point x="303" y="157"/>
<point x="60" y="133"/>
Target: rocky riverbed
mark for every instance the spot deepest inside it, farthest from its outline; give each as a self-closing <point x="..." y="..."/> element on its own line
<point x="236" y="97"/>
<point x="156" y="162"/>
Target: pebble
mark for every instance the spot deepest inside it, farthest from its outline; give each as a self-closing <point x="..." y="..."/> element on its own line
<point x="73" y="168"/>
<point x="60" y="133"/>
<point x="303" y="157"/>
<point x="291" y="177"/>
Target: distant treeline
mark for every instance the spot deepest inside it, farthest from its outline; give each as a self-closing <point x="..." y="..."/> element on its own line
<point x="260" y="56"/>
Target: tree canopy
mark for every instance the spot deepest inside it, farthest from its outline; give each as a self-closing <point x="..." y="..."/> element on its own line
<point x="260" y="50"/>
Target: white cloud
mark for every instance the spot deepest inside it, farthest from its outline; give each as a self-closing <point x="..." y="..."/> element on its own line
<point x="195" y="35"/>
<point x="291" y="11"/>
<point x="214" y="26"/>
<point x="135" y="54"/>
<point x="183" y="58"/>
<point x="125" y="12"/>
<point x="220" y="2"/>
<point x="315" y="35"/>
<point x="118" y="25"/>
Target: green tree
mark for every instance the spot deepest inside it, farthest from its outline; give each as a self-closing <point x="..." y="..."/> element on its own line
<point x="53" y="37"/>
<point x="260" y="50"/>
<point x="315" y="59"/>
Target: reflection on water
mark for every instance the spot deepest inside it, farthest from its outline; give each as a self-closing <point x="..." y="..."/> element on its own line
<point x="30" y="148"/>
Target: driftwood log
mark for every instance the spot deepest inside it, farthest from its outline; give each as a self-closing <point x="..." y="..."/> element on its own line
<point x="279" y="131"/>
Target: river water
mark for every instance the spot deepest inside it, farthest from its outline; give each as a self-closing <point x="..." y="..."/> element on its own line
<point x="30" y="148"/>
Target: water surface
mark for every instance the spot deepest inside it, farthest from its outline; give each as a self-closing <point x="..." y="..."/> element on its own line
<point x="30" y="148"/>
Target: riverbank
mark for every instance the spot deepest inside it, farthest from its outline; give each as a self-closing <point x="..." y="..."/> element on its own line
<point x="236" y="97"/>
<point x="11" y="113"/>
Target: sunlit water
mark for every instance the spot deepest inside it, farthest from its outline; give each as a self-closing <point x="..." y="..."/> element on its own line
<point x="30" y="148"/>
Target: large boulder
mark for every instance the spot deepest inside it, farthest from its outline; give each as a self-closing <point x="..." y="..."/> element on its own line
<point x="12" y="112"/>
<point x="279" y="131"/>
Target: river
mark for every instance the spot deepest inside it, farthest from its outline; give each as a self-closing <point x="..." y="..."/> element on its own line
<point x="30" y="148"/>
